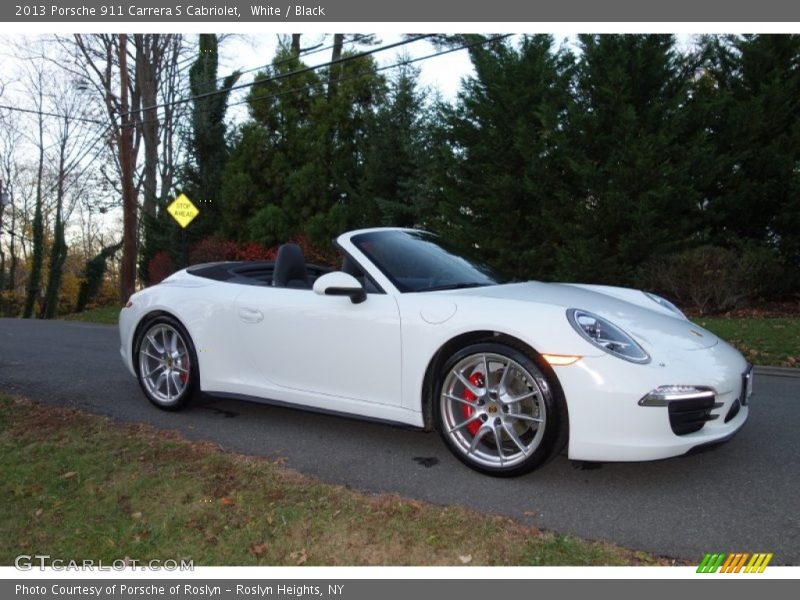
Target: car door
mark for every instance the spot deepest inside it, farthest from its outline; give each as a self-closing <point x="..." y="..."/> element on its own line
<point x="302" y="341"/>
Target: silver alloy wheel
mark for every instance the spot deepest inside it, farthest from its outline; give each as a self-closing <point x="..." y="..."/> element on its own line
<point x="493" y="410"/>
<point x="164" y="365"/>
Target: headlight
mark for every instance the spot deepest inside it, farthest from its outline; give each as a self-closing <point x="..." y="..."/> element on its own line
<point x="665" y="303"/>
<point x="606" y="336"/>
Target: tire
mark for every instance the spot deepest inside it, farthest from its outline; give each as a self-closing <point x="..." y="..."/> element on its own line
<point x="508" y="428"/>
<point x="166" y="363"/>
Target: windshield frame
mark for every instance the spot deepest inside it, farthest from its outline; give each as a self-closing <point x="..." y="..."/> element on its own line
<point x="480" y="274"/>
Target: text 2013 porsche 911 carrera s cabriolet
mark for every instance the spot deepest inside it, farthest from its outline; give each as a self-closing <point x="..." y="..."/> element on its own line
<point x="410" y="331"/>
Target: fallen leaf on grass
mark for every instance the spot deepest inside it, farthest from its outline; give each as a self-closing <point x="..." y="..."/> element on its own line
<point x="258" y="550"/>
<point x="69" y="475"/>
<point x="38" y="512"/>
<point x="465" y="558"/>
<point x="299" y="556"/>
<point x="228" y="501"/>
<point x="136" y="515"/>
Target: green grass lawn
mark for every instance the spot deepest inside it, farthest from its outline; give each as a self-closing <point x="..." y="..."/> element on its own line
<point x="763" y="341"/>
<point x="77" y="486"/>
<point x="104" y="314"/>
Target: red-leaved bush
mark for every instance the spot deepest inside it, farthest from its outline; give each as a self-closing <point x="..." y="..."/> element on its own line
<point x="214" y="249"/>
<point x="254" y="251"/>
<point x="313" y="254"/>
<point x="160" y="267"/>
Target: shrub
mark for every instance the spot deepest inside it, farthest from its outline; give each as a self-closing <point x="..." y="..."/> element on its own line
<point x="213" y="249"/>
<point x="314" y="254"/>
<point x="710" y="279"/>
<point x="11" y="302"/>
<point x="160" y="267"/>
<point x="269" y="226"/>
<point x="94" y="275"/>
<point x="255" y="251"/>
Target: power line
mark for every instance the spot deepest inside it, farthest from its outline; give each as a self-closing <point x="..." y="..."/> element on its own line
<point x="280" y="76"/>
<point x="398" y="64"/>
<point x="44" y="113"/>
<point x="303" y="53"/>
<point x="276" y="77"/>
<point x="395" y="65"/>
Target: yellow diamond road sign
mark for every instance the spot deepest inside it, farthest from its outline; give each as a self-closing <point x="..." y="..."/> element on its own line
<point x="182" y="210"/>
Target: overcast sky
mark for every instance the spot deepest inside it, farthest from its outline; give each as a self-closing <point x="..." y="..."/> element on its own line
<point x="246" y="51"/>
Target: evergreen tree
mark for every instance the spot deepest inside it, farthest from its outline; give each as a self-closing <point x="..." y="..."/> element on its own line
<point x="750" y="93"/>
<point x="499" y="165"/>
<point x="342" y="128"/>
<point x="296" y="166"/>
<point x="630" y="176"/>
<point x="275" y="179"/>
<point x="208" y="151"/>
<point x="395" y="189"/>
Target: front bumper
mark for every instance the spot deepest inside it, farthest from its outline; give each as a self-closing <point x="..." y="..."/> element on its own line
<point x="608" y="422"/>
<point x="127" y="321"/>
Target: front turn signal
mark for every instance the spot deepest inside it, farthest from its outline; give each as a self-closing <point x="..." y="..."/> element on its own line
<point x="561" y="360"/>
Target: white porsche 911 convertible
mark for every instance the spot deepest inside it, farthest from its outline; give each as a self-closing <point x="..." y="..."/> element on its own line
<point x="410" y="331"/>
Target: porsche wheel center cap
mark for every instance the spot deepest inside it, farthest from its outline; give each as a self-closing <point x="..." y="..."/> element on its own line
<point x="491" y="409"/>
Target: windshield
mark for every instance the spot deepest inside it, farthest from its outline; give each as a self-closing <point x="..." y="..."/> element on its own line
<point x="416" y="261"/>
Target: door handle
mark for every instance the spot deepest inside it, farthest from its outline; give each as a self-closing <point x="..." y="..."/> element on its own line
<point x="250" y="315"/>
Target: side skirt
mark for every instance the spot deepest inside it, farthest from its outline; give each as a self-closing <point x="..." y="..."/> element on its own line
<point x="312" y="409"/>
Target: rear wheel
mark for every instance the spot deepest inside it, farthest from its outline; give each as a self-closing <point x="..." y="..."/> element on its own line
<point x="496" y="410"/>
<point x="166" y="364"/>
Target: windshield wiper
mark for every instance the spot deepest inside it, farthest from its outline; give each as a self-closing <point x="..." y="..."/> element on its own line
<point x="454" y="286"/>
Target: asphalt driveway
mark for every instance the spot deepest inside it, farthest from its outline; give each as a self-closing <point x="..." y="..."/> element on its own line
<point x="741" y="496"/>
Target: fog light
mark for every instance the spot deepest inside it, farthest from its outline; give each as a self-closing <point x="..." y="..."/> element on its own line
<point x="663" y="395"/>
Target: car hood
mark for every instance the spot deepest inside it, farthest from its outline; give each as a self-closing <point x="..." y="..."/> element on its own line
<point x="650" y="323"/>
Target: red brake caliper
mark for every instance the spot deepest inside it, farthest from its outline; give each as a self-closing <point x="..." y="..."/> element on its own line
<point x="477" y="380"/>
<point x="185" y="375"/>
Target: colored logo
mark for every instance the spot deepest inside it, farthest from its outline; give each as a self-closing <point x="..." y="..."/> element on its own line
<point x="735" y="562"/>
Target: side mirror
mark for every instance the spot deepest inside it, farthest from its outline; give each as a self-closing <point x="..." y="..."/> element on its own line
<point x="339" y="283"/>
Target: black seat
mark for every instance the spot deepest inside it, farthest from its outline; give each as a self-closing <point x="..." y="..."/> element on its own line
<point x="290" y="268"/>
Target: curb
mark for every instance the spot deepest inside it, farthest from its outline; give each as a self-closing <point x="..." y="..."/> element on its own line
<point x="777" y="371"/>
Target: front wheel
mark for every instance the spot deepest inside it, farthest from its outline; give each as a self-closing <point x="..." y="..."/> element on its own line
<point x="166" y="364"/>
<point x="496" y="410"/>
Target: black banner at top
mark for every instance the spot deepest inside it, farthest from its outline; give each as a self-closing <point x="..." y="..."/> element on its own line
<point x="466" y="11"/>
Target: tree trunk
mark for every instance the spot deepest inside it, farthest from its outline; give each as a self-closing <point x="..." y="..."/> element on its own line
<point x="148" y="59"/>
<point x="126" y="158"/>
<point x="2" y="253"/>
<point x="58" y="253"/>
<point x="296" y="44"/>
<point x="38" y="225"/>
<point x="11" y="283"/>
<point x="335" y="72"/>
